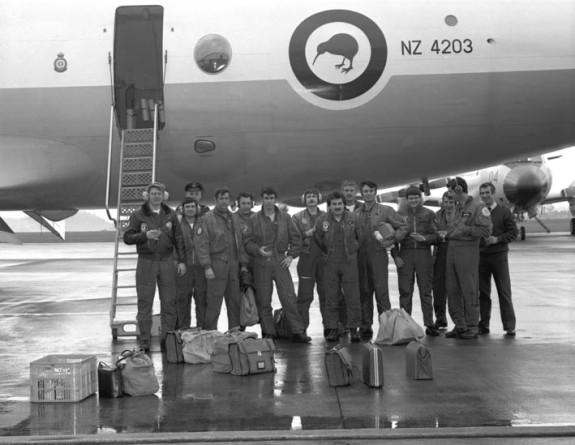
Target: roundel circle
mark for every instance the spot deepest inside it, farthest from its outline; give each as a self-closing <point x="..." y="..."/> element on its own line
<point x="338" y="55"/>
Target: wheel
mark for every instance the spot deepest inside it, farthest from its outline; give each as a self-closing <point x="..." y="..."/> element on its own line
<point x="522" y="233"/>
<point x="572" y="226"/>
<point x="115" y="333"/>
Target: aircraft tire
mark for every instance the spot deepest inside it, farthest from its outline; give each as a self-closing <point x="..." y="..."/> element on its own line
<point x="572" y="226"/>
<point x="115" y="333"/>
<point x="522" y="233"/>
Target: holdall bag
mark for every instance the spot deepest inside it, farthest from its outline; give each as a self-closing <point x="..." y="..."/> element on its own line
<point x="396" y="327"/>
<point x="198" y="346"/>
<point x="175" y="345"/>
<point x="248" y="308"/>
<point x="418" y="362"/>
<point x="252" y="356"/>
<point x="281" y="323"/>
<point x="372" y="365"/>
<point x="221" y="361"/>
<point x="110" y="381"/>
<point x="339" y="367"/>
<point x="138" y="373"/>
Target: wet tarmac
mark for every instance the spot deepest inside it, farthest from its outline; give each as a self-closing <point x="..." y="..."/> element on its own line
<point x="54" y="299"/>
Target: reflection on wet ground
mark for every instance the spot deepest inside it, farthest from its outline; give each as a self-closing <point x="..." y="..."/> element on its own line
<point x="60" y="305"/>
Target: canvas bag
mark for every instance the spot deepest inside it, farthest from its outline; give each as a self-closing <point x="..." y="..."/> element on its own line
<point x="252" y="356"/>
<point x="221" y="361"/>
<point x="418" y="362"/>
<point x="339" y="367"/>
<point x="248" y="308"/>
<point x="138" y="373"/>
<point x="198" y="346"/>
<point x="281" y="324"/>
<point x="396" y="327"/>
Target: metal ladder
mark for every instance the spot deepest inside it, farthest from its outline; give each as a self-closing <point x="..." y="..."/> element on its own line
<point x="136" y="171"/>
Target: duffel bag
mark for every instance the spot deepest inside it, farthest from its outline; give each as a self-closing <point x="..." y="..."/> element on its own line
<point x="221" y="361"/>
<point x="198" y="346"/>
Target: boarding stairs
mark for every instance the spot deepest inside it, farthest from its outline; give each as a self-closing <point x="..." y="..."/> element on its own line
<point x="136" y="171"/>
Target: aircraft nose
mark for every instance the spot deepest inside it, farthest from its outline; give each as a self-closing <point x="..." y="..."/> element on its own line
<point x="526" y="185"/>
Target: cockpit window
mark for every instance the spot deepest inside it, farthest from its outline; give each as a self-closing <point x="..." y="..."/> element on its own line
<point x="213" y="53"/>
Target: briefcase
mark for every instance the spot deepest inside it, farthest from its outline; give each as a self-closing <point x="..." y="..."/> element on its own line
<point x="418" y="362"/>
<point x="339" y="367"/>
<point x="110" y="381"/>
<point x="372" y="366"/>
<point x="175" y="345"/>
<point x="252" y="356"/>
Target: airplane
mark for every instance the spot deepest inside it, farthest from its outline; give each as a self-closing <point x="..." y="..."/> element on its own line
<point x="523" y="186"/>
<point x="257" y="92"/>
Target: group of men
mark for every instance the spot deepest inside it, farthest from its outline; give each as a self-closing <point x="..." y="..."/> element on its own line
<point x="343" y="254"/>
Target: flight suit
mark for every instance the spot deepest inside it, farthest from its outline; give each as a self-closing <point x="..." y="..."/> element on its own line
<point x="471" y="222"/>
<point x="282" y="238"/>
<point x="339" y="241"/>
<point x="193" y="283"/>
<point x="439" y="263"/>
<point x="309" y="266"/>
<point x="373" y="259"/>
<point x="219" y="247"/>
<point x="417" y="261"/>
<point x="156" y="266"/>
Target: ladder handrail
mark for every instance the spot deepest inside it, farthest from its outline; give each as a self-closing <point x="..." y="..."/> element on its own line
<point x="109" y="172"/>
<point x="155" y="142"/>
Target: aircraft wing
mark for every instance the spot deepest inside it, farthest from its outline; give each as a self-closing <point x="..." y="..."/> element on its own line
<point x="7" y="235"/>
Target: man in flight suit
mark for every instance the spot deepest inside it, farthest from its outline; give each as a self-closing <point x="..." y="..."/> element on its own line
<point x="338" y="234"/>
<point x="310" y="264"/>
<point x="156" y="231"/>
<point x="273" y="239"/>
<point x="196" y="190"/>
<point x="373" y="258"/>
<point x="221" y="254"/>
<point x="471" y="222"/>
<point x="493" y="261"/>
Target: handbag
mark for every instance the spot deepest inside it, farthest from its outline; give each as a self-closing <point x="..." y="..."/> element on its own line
<point x="110" y="381"/>
<point x="221" y="361"/>
<point x="339" y="367"/>
<point x="138" y="373"/>
<point x="252" y="356"/>
<point x="396" y="327"/>
<point x="198" y="346"/>
<point x="248" y="308"/>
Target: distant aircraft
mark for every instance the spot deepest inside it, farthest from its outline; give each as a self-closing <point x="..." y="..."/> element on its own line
<point x="236" y="98"/>
<point x="523" y="186"/>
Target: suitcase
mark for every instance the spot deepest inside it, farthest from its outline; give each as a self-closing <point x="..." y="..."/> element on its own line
<point x="418" y="362"/>
<point x="110" y="381"/>
<point x="339" y="367"/>
<point x="252" y="356"/>
<point x="281" y="324"/>
<point x="175" y="345"/>
<point x="372" y="364"/>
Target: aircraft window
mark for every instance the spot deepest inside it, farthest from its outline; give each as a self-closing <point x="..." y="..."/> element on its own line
<point x="213" y="53"/>
<point x="451" y="20"/>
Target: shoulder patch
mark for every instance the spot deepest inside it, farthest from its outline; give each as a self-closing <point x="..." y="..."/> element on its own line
<point x="485" y="211"/>
<point x="143" y="227"/>
<point x="199" y="230"/>
<point x="325" y="226"/>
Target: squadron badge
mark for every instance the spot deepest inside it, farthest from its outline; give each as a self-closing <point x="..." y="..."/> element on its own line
<point x="485" y="211"/>
<point x="143" y="227"/>
<point x="325" y="226"/>
<point x="60" y="64"/>
<point x="199" y="230"/>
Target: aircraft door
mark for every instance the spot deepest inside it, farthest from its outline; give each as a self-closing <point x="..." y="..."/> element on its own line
<point x="138" y="68"/>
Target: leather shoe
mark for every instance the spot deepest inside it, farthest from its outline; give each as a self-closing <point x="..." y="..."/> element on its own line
<point x="354" y="335"/>
<point x="468" y="334"/>
<point x="301" y="338"/>
<point x="366" y="333"/>
<point x="440" y="325"/>
<point x="452" y="334"/>
<point x="333" y="336"/>
<point x="432" y="331"/>
<point x="510" y="332"/>
<point x="482" y="329"/>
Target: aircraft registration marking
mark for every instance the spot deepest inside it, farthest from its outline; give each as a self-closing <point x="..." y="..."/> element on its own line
<point x="439" y="47"/>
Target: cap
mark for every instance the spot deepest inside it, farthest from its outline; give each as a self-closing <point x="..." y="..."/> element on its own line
<point x="194" y="185"/>
<point x="412" y="190"/>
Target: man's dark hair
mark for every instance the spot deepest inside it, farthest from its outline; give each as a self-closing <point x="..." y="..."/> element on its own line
<point x="268" y="190"/>
<point x="221" y="191"/>
<point x="370" y="184"/>
<point x="189" y="199"/>
<point x="244" y="195"/>
<point x="334" y="196"/>
<point x="487" y="184"/>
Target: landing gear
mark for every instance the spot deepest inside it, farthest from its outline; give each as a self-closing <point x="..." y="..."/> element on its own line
<point x="522" y="233"/>
<point x="572" y="226"/>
